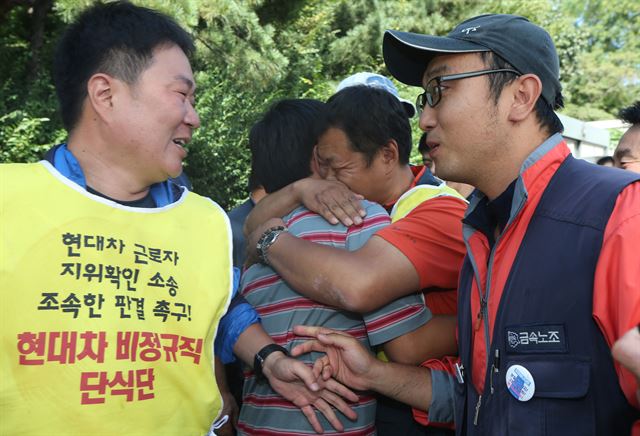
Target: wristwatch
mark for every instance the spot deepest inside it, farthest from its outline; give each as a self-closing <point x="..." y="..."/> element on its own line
<point x="267" y="239"/>
<point x="261" y="356"/>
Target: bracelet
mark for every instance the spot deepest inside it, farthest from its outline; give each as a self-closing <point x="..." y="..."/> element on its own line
<point x="261" y="356"/>
<point x="267" y="239"/>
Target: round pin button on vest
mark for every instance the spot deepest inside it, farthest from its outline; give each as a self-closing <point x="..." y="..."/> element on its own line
<point x="520" y="383"/>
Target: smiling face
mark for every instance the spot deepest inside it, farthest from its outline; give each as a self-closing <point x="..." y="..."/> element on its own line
<point x="465" y="130"/>
<point x="337" y="159"/>
<point x="155" y="116"/>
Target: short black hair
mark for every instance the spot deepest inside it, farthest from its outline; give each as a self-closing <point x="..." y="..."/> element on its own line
<point x="422" y="143"/>
<point x="282" y="142"/>
<point x="605" y="160"/>
<point x="544" y="112"/>
<point x="631" y="114"/>
<point x="370" y="117"/>
<point x="115" y="38"/>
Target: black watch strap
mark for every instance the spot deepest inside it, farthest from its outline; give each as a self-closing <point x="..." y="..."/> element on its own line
<point x="261" y="356"/>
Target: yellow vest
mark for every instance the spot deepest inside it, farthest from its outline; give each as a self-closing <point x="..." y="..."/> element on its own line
<point x="418" y="195"/>
<point x="409" y="201"/>
<point x="108" y="313"/>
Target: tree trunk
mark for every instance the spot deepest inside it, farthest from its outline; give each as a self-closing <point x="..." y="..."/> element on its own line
<point x="39" y="18"/>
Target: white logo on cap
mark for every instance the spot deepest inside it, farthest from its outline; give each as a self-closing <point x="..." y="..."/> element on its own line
<point x="469" y="29"/>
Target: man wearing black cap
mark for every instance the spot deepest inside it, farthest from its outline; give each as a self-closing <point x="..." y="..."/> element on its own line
<point x="551" y="276"/>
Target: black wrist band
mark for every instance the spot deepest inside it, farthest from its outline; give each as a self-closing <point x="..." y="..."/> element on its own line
<point x="261" y="356"/>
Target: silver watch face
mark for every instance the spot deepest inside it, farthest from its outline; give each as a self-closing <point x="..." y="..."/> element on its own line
<point x="266" y="241"/>
<point x="271" y="237"/>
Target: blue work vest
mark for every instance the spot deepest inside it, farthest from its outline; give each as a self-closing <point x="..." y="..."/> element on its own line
<point x="544" y="321"/>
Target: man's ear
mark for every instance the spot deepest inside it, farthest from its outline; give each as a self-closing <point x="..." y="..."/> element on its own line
<point x="390" y="153"/>
<point x="526" y="91"/>
<point x="316" y="170"/>
<point x="100" y="91"/>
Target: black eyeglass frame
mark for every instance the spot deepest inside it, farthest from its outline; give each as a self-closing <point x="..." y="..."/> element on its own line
<point x="433" y="98"/>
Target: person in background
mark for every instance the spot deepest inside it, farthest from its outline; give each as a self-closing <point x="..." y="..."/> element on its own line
<point x="238" y="216"/>
<point x="424" y="152"/>
<point x="377" y="81"/>
<point x="626" y="350"/>
<point x="627" y="153"/>
<point x="605" y="161"/>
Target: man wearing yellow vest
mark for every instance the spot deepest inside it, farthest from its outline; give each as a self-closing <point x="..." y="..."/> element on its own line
<point x="113" y="280"/>
<point x="366" y="145"/>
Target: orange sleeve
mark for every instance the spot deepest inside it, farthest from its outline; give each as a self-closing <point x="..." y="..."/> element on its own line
<point x="616" y="291"/>
<point x="431" y="238"/>
<point x="442" y="302"/>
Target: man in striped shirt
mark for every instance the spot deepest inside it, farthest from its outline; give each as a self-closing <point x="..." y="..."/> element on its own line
<point x="283" y="142"/>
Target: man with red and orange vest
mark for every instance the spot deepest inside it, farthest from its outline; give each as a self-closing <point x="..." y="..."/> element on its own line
<point x="551" y="277"/>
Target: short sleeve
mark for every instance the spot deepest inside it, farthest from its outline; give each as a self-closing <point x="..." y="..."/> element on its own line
<point x="430" y="236"/>
<point x="616" y="291"/>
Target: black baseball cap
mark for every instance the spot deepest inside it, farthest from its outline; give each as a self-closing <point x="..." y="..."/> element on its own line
<point x="515" y="39"/>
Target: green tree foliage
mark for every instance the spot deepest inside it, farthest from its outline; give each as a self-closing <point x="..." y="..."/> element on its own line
<point x="252" y="52"/>
<point x="29" y="123"/>
<point x="608" y="77"/>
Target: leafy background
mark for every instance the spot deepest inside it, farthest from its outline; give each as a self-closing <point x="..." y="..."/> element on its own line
<point x="254" y="51"/>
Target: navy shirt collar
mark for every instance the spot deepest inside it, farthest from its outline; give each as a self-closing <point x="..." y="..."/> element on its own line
<point x="489" y="215"/>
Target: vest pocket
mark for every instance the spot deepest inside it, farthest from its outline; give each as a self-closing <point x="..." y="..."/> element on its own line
<point x="560" y="405"/>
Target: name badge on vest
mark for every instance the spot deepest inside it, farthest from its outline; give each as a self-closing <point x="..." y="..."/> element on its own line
<point x="548" y="338"/>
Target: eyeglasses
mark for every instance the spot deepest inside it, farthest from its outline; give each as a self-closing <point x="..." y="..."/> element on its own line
<point x="433" y="91"/>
